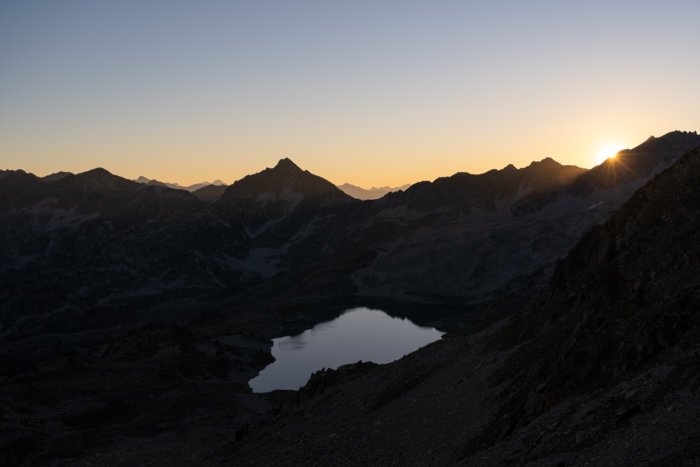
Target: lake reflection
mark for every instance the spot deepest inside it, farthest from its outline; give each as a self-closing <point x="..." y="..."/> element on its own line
<point x="358" y="334"/>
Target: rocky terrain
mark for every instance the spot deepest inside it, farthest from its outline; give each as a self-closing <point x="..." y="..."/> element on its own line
<point x="132" y="315"/>
<point x="601" y="369"/>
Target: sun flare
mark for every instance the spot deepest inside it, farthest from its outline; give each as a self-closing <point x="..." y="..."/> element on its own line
<point x="609" y="151"/>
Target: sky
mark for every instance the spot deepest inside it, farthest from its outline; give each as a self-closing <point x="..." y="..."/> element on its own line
<point x="366" y="92"/>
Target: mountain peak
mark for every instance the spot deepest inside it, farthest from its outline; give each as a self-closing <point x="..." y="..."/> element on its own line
<point x="284" y="186"/>
<point x="96" y="172"/>
<point x="104" y="179"/>
<point x="546" y="162"/>
<point x="286" y="165"/>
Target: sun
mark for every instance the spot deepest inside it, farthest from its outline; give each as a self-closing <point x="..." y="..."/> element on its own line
<point x="608" y="152"/>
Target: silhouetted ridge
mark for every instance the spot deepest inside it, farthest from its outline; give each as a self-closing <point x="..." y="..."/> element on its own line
<point x="285" y="182"/>
<point x="277" y="193"/>
<point x="463" y="191"/>
<point x="96" y="172"/>
<point x="629" y="166"/>
<point x="638" y="163"/>
<point x="625" y="298"/>
<point x="98" y="178"/>
<point x="56" y="176"/>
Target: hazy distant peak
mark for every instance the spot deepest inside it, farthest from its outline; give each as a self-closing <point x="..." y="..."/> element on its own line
<point x="177" y="186"/>
<point x="509" y="167"/>
<point x="372" y="193"/>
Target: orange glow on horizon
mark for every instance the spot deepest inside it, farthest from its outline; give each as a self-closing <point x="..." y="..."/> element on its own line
<point x="609" y="151"/>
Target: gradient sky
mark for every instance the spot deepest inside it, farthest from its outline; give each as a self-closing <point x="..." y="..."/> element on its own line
<point x="367" y="92"/>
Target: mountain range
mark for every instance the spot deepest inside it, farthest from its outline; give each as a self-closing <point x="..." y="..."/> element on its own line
<point x="371" y="193"/>
<point x="600" y="369"/>
<point x="177" y="186"/>
<point x="171" y="292"/>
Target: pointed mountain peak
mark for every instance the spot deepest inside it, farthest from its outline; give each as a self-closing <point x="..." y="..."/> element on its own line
<point x="142" y="179"/>
<point x="97" y="172"/>
<point x="287" y="184"/>
<point x="287" y="165"/>
<point x="98" y="176"/>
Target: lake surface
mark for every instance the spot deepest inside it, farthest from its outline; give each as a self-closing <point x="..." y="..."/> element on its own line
<point x="358" y="334"/>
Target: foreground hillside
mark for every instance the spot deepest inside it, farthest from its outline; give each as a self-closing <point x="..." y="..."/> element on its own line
<point x="600" y="370"/>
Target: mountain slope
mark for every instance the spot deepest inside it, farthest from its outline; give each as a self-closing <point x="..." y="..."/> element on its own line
<point x="470" y="238"/>
<point x="283" y="192"/>
<point x="601" y="369"/>
<point x="629" y="169"/>
<point x="285" y="186"/>
<point x="464" y="191"/>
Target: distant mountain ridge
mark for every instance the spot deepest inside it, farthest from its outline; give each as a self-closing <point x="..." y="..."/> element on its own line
<point x="371" y="193"/>
<point x="459" y="240"/>
<point x="605" y="357"/>
<point x="177" y="186"/>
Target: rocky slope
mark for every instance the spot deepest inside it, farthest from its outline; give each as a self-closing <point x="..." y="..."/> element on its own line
<point x="600" y="370"/>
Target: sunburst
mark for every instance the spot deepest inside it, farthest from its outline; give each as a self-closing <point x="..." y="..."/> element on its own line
<point x="609" y="151"/>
